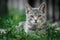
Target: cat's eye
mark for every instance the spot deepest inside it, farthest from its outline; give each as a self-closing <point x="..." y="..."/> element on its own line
<point x="31" y="16"/>
<point x="39" y="16"/>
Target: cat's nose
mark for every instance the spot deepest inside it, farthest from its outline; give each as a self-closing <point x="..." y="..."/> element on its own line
<point x="35" y="21"/>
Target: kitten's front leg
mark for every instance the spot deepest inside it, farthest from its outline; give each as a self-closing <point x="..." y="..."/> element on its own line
<point x="19" y="27"/>
<point x="54" y="24"/>
<point x="26" y="28"/>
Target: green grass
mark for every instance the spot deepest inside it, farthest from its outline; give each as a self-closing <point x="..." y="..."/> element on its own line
<point x="11" y="21"/>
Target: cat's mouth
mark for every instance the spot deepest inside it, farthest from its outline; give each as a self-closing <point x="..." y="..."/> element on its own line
<point x="35" y="23"/>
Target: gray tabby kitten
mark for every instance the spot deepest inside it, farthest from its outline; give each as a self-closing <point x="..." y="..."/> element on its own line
<point x="35" y="19"/>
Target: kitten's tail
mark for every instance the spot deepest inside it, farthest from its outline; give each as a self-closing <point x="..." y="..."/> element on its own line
<point x="55" y="24"/>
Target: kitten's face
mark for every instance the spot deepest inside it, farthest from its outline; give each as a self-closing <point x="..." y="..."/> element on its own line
<point x="36" y="15"/>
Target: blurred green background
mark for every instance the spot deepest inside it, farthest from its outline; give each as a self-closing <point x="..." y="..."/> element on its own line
<point x="9" y="20"/>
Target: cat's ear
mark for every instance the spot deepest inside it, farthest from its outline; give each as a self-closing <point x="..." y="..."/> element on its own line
<point x="43" y="8"/>
<point x="28" y="8"/>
